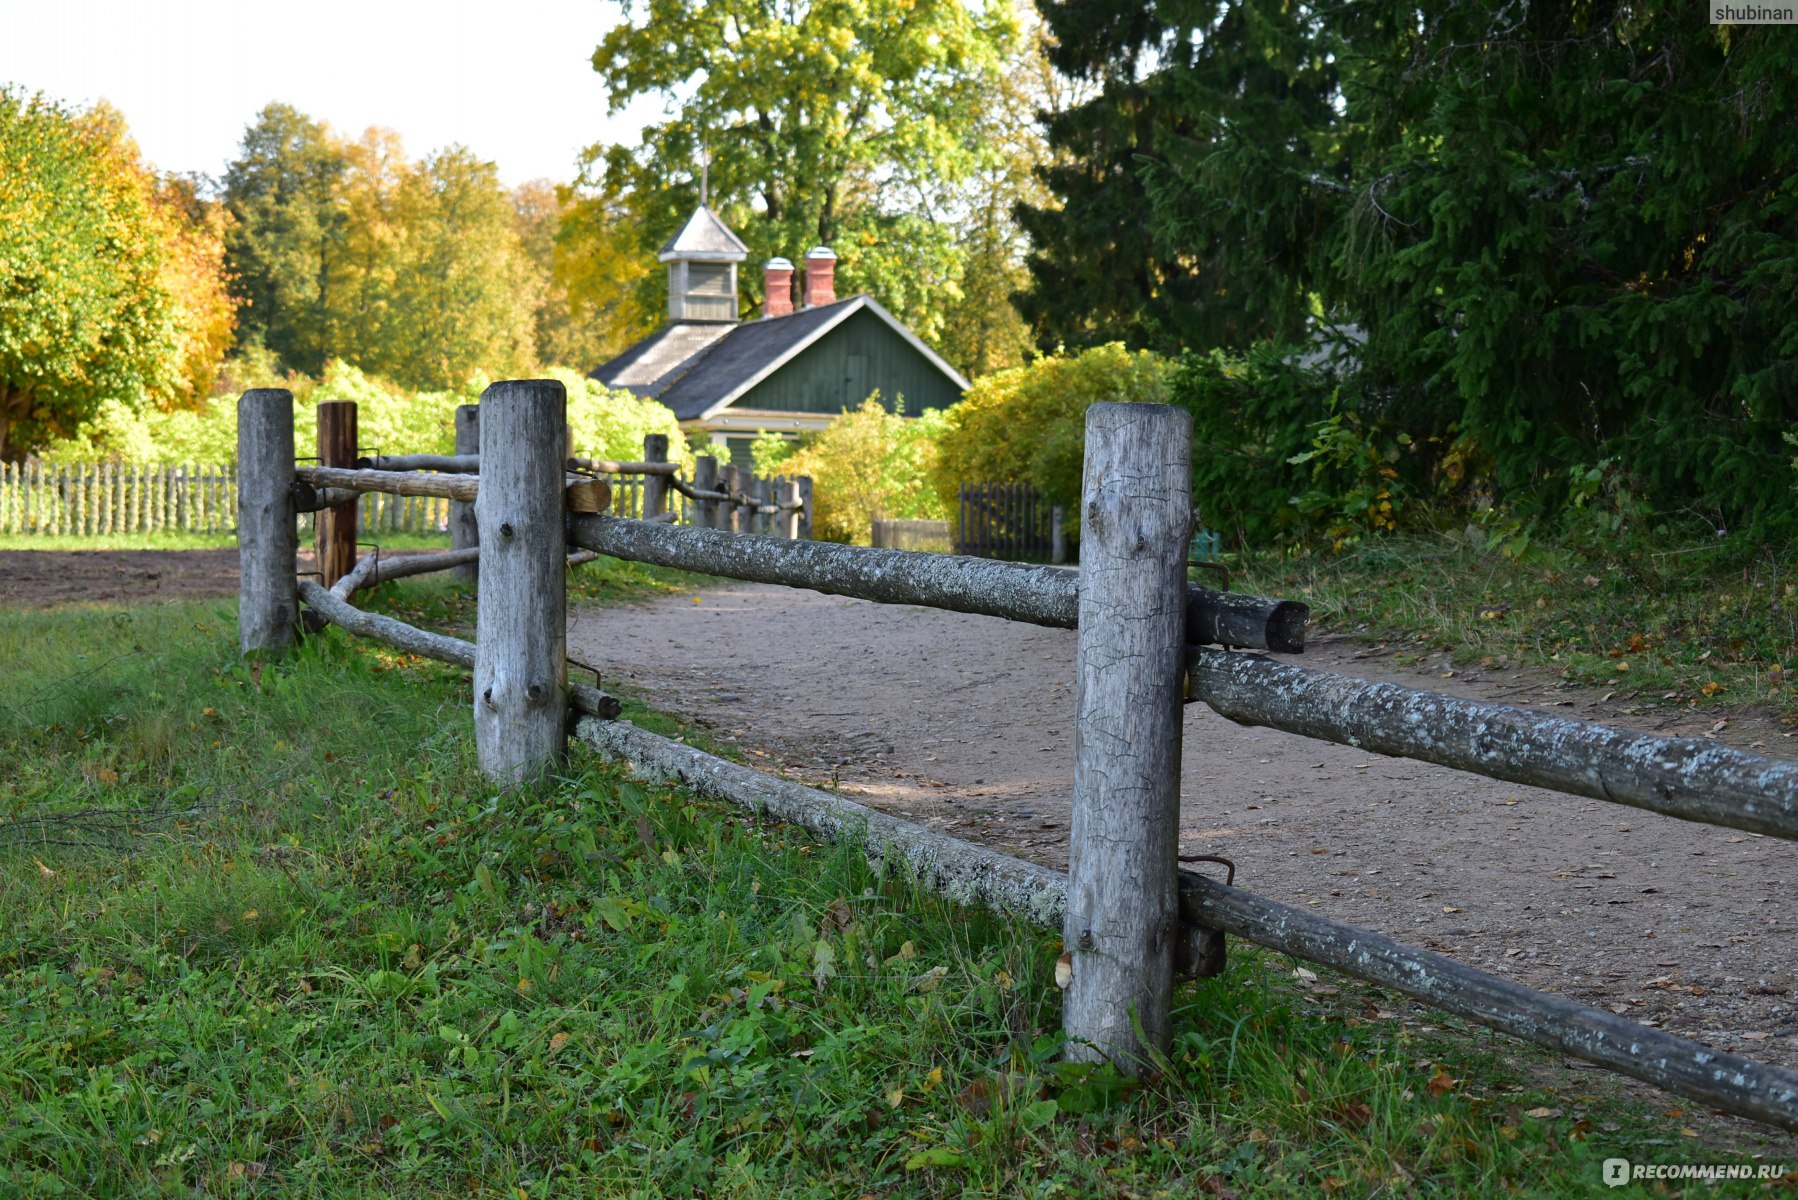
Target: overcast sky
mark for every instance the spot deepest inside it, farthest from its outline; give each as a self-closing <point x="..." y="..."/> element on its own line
<point x="511" y="80"/>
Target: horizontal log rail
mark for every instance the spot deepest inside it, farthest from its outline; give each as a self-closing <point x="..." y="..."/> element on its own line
<point x="1691" y="778"/>
<point x="607" y="466"/>
<point x="1036" y="595"/>
<point x="413" y="640"/>
<point x="591" y="495"/>
<point x="470" y="464"/>
<point x="970" y="874"/>
<point x="374" y="569"/>
<point x="309" y="499"/>
<point x="452" y="464"/>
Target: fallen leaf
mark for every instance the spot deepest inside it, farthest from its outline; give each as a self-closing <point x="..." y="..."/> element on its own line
<point x="46" y="872"/>
<point x="1543" y="1114"/>
<point x="896" y="1097"/>
<point x="557" y="1042"/>
<point x="930" y="980"/>
<point x="1439" y="1084"/>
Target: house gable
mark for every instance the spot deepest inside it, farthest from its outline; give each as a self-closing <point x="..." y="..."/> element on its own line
<point x="839" y="370"/>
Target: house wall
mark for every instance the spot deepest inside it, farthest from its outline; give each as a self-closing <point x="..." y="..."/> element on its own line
<point x="845" y="365"/>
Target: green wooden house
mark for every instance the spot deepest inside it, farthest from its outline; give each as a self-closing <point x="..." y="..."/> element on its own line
<point x="788" y="371"/>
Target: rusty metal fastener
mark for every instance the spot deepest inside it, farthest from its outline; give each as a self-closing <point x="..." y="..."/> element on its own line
<point x="1229" y="879"/>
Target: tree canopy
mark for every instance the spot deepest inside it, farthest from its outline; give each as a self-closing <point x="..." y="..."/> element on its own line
<point x="845" y="124"/>
<point x="1566" y="233"/>
<point x="109" y="277"/>
<point x="351" y="250"/>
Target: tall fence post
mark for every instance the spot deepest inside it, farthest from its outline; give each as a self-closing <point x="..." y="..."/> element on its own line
<point x="334" y="536"/>
<point x="520" y="671"/>
<point x="1058" y="536"/>
<point x="266" y="537"/>
<point x="655" y="487"/>
<point x="727" y="509"/>
<point x="705" y="479"/>
<point x="461" y="512"/>
<point x="1123" y="916"/>
<point x="788" y="497"/>
<point x="805" y="507"/>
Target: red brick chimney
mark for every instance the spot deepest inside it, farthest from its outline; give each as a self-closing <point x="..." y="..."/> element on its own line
<point x="820" y="276"/>
<point x="777" y="287"/>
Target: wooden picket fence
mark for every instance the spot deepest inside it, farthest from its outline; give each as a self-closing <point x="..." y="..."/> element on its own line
<point x="103" y="499"/>
<point x="99" y="498"/>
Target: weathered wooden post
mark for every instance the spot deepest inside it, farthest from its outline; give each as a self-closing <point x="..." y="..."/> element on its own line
<point x="267" y="606"/>
<point x="789" y="513"/>
<point x="727" y="509"/>
<point x="805" y="507"/>
<point x="1058" y="536"/>
<point x="759" y="496"/>
<point x="705" y="479"/>
<point x="334" y="539"/>
<point x="655" y="487"/>
<point x="463" y="535"/>
<point x="745" y="490"/>
<point x="520" y="672"/>
<point x="1123" y="908"/>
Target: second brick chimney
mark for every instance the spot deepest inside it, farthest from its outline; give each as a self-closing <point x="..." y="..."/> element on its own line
<point x="777" y="287"/>
<point x="820" y="276"/>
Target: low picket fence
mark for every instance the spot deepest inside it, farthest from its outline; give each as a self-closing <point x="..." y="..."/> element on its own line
<point x="103" y="499"/>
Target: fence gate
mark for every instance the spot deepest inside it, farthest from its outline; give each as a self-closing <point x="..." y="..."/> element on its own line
<point x="1003" y="520"/>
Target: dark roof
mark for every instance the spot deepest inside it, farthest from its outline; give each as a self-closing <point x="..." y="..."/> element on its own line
<point x="705" y="365"/>
<point x="748" y="351"/>
<point x="652" y="361"/>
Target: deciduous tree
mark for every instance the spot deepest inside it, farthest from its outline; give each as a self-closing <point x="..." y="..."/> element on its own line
<point x="108" y="284"/>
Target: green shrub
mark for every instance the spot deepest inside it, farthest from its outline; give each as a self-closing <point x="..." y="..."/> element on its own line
<point x="866" y="465"/>
<point x="605" y="422"/>
<point x="1028" y="424"/>
<point x="1282" y="449"/>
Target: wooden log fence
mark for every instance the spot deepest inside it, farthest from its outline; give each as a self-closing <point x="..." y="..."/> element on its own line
<point x="974" y="875"/>
<point x="1113" y="911"/>
<point x="1036" y="595"/>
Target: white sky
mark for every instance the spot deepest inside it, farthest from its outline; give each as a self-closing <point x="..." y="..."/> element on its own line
<point x="511" y="80"/>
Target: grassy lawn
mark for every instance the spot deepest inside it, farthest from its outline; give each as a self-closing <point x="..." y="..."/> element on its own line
<point x="269" y="933"/>
<point x="171" y="540"/>
<point x="1697" y="623"/>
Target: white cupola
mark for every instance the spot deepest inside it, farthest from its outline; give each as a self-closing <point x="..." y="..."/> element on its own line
<point x="702" y="269"/>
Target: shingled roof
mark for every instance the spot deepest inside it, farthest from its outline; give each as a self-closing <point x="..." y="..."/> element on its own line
<point x="703" y="367"/>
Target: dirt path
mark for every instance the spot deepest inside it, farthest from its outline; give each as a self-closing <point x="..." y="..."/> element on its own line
<point x="45" y="578"/>
<point x="963" y="723"/>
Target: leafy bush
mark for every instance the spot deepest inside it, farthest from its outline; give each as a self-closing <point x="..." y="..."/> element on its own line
<point x="866" y="465"/>
<point x="605" y="422"/>
<point x="1283" y="447"/>
<point x="1028" y="424"/>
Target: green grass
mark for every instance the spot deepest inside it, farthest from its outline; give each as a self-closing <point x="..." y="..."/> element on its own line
<point x="269" y="933"/>
<point x="1696" y="623"/>
<point x="199" y="541"/>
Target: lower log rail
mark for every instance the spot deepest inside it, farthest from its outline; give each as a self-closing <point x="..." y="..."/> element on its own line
<point x="972" y="875"/>
<point x="1690" y="778"/>
<point x="413" y="640"/>
<point x="1037" y="595"/>
<point x="374" y="569"/>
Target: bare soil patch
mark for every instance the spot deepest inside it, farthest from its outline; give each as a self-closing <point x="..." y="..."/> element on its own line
<point x="47" y="578"/>
<point x="964" y="723"/>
